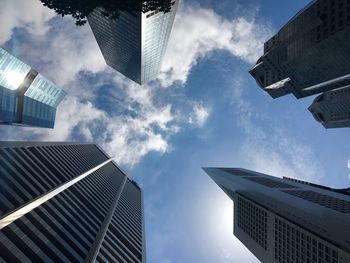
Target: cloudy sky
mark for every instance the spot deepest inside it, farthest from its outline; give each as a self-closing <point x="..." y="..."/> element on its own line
<point x="203" y="110"/>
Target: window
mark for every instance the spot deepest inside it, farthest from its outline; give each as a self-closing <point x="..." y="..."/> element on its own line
<point x="331" y="202"/>
<point x="237" y="172"/>
<point x="287" y="245"/>
<point x="270" y="182"/>
<point x="252" y="220"/>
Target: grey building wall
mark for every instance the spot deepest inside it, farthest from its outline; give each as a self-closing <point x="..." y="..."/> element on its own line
<point x="97" y="215"/>
<point x="309" y="55"/>
<point x="332" y="109"/>
<point x="282" y="220"/>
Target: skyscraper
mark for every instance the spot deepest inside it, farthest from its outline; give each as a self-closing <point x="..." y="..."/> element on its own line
<point x="287" y="220"/>
<point x="134" y="43"/>
<point x="26" y="97"/>
<point x="310" y="54"/>
<point x="332" y="108"/>
<point x="67" y="202"/>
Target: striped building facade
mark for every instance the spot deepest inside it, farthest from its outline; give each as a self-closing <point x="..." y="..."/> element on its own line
<point x="67" y="202"/>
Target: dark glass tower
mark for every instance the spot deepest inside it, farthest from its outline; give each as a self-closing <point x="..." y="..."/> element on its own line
<point x="332" y="109"/>
<point x="26" y="97"/>
<point x="134" y="43"/>
<point x="287" y="220"/>
<point x="310" y="54"/>
<point x="67" y="202"/>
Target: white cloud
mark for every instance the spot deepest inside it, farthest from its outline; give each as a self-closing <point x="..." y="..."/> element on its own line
<point x="288" y="158"/>
<point x="129" y="138"/>
<point x="125" y="137"/>
<point x="198" y="31"/>
<point x="127" y="130"/>
<point x="200" y="114"/>
<point x="63" y="52"/>
<point x="27" y="14"/>
<point x="53" y="45"/>
<point x="131" y="120"/>
<point x="268" y="149"/>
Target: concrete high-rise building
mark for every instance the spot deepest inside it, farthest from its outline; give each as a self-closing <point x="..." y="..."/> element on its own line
<point x="134" y="43"/>
<point x="67" y="202"/>
<point x="287" y="220"/>
<point x="332" y="108"/>
<point x="310" y="54"/>
<point x="26" y="97"/>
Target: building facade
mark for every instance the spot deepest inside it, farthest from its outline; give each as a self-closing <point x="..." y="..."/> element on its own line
<point x="309" y="55"/>
<point x="26" y="97"/>
<point x="332" y="108"/>
<point x="134" y="44"/>
<point x="67" y="202"/>
<point x="287" y="220"/>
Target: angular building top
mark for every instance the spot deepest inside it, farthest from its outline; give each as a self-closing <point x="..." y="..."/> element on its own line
<point x="67" y="202"/>
<point x="287" y="220"/>
<point x="309" y="55"/>
<point x="134" y="44"/>
<point x="332" y="109"/>
<point x="26" y="97"/>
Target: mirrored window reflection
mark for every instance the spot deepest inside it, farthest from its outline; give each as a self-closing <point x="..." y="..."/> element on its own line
<point x="12" y="70"/>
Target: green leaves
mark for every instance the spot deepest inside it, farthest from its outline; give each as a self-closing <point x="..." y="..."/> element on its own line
<point x="79" y="9"/>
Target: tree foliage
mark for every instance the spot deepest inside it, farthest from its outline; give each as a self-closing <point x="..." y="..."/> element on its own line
<point x="79" y="9"/>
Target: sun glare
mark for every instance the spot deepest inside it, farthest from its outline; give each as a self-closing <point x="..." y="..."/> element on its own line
<point x="14" y="79"/>
<point x="221" y="216"/>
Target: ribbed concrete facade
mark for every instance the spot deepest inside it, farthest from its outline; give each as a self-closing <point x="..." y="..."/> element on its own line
<point x="286" y="220"/>
<point x="67" y="202"/>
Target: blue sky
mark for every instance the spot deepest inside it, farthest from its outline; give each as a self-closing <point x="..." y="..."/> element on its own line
<point x="204" y="110"/>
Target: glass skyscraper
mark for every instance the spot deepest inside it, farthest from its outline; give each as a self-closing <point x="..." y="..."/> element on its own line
<point x="67" y="202"/>
<point x="134" y="43"/>
<point x="26" y="97"/>
<point x="287" y="220"/>
<point x="310" y="54"/>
